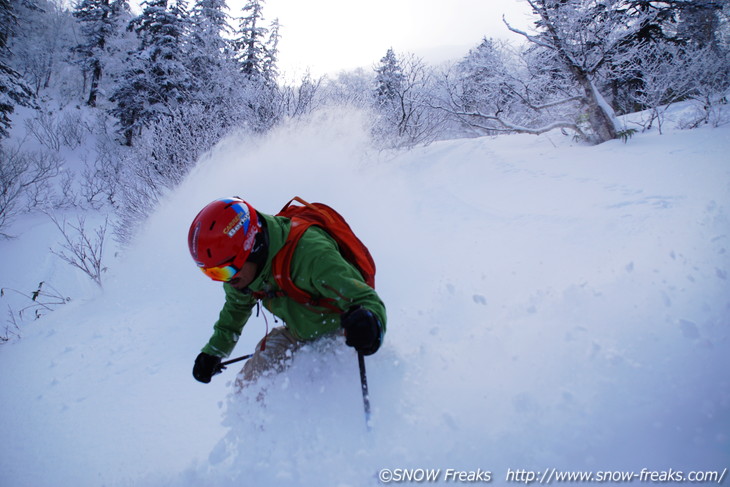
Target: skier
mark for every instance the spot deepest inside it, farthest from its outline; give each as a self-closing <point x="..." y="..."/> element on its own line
<point x="231" y="242"/>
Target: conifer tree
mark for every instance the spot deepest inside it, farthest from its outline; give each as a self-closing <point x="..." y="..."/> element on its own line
<point x="271" y="53"/>
<point x="256" y="51"/>
<point x="208" y="49"/>
<point x="157" y="80"/>
<point x="13" y="90"/>
<point x="250" y="42"/>
<point x="402" y="87"/>
<point x="215" y="99"/>
<point x="388" y="80"/>
<point x="484" y="78"/>
<point x="99" y="22"/>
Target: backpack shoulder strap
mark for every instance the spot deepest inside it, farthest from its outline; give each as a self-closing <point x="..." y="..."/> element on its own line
<point x="282" y="261"/>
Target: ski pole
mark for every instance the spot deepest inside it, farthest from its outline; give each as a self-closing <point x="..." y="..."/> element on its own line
<point x="222" y="366"/>
<point x="364" y="386"/>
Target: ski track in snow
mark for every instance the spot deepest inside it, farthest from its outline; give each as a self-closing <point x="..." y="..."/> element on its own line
<point x="550" y="305"/>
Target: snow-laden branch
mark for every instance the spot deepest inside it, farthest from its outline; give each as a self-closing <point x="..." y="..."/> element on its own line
<point x="519" y="128"/>
<point x="552" y="104"/>
<point x="534" y="39"/>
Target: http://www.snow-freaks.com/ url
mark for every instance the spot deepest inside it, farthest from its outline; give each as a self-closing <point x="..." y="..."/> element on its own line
<point x="548" y="476"/>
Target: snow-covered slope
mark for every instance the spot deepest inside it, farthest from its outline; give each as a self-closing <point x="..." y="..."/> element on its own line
<point x="550" y="305"/>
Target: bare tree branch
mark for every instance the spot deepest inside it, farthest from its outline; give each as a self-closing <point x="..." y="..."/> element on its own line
<point x="82" y="250"/>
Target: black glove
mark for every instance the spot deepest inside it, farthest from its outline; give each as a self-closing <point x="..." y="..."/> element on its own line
<point x="362" y="330"/>
<point x="206" y="366"/>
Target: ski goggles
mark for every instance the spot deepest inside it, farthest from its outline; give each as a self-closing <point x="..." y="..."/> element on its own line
<point x="222" y="273"/>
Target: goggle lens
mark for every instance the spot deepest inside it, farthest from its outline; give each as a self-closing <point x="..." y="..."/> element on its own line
<point x="223" y="273"/>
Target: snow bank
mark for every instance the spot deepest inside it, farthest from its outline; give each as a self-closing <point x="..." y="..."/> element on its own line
<point x="550" y="305"/>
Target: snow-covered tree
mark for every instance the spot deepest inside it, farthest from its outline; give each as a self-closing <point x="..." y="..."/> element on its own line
<point x="698" y="22"/>
<point x="129" y="97"/>
<point x="486" y="82"/>
<point x="350" y="88"/>
<point x="162" y="29"/>
<point x="42" y="45"/>
<point x="157" y="80"/>
<point x="255" y="49"/>
<point x="583" y="35"/>
<point x="299" y="99"/>
<point x="710" y="68"/>
<point x="495" y="89"/>
<point x="209" y="22"/>
<point x="474" y="85"/>
<point x="210" y="59"/>
<point x="208" y="47"/>
<point x="271" y="54"/>
<point x="404" y="116"/>
<point x="250" y="41"/>
<point x="13" y="90"/>
<point x="100" y="21"/>
<point x="663" y="76"/>
<point x="668" y="26"/>
<point x="388" y="80"/>
<point x="23" y="176"/>
<point x="8" y="20"/>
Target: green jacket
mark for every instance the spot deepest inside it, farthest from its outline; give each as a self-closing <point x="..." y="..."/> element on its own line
<point x="318" y="268"/>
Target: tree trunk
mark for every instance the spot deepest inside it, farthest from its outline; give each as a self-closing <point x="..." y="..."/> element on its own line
<point x="600" y="114"/>
<point x="95" y="78"/>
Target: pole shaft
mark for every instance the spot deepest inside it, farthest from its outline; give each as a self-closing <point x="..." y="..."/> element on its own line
<point x="233" y="361"/>
<point x="364" y="386"/>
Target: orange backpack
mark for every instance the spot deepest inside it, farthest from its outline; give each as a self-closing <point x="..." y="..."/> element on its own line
<point x="351" y="248"/>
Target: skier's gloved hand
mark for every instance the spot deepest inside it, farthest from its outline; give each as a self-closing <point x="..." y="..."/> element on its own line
<point x="206" y="366"/>
<point x="362" y="330"/>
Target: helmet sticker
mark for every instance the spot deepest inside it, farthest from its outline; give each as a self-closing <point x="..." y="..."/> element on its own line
<point x="250" y="239"/>
<point x="241" y="220"/>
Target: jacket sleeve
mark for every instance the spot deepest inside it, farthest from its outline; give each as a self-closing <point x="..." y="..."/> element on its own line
<point x="234" y="315"/>
<point x="324" y="272"/>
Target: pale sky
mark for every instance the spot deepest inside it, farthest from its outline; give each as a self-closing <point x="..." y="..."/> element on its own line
<point x="328" y="36"/>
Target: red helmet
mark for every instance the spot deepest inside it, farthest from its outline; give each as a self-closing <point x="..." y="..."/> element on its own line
<point x="221" y="237"/>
